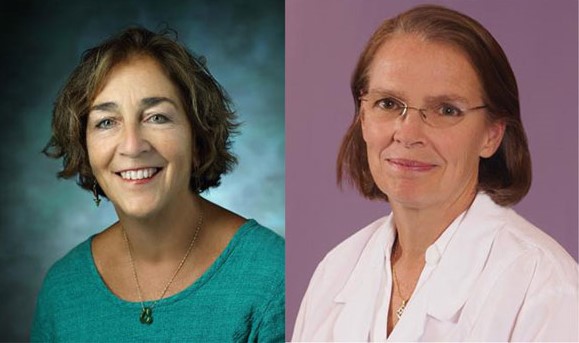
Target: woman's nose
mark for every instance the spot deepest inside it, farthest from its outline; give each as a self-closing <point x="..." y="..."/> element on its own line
<point x="133" y="141"/>
<point x="419" y="112"/>
<point x="409" y="129"/>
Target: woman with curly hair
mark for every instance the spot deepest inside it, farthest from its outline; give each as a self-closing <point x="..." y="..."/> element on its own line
<point x="142" y="122"/>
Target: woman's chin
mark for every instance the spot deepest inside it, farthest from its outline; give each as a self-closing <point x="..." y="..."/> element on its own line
<point x="136" y="209"/>
<point x="408" y="197"/>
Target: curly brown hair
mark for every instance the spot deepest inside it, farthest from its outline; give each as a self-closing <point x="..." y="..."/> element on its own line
<point x="206" y="104"/>
<point x="505" y="176"/>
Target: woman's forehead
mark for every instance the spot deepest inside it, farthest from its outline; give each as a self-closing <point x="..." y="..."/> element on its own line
<point x="407" y="63"/>
<point x="141" y="76"/>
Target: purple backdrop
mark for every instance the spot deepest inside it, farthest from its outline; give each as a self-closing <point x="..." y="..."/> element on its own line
<point x="323" y="41"/>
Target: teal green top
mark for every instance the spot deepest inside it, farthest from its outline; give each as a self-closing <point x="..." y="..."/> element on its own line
<point x="240" y="298"/>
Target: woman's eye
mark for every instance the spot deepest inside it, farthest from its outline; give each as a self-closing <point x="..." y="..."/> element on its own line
<point x="389" y="104"/>
<point x="105" y="124"/>
<point x="449" y="110"/>
<point x="158" y="119"/>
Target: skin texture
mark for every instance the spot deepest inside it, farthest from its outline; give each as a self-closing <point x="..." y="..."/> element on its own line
<point x="429" y="174"/>
<point x="128" y="130"/>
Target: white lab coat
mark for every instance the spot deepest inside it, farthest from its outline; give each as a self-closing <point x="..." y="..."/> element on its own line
<point x="491" y="276"/>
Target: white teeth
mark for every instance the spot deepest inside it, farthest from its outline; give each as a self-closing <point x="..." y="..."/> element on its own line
<point x="138" y="174"/>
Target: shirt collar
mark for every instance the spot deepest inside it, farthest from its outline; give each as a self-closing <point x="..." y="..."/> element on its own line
<point x="434" y="252"/>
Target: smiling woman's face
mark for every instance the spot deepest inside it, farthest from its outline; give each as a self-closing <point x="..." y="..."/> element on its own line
<point x="414" y="164"/>
<point x="139" y="139"/>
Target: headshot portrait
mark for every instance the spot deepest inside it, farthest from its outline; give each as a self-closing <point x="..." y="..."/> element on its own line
<point x="432" y="171"/>
<point x="148" y="140"/>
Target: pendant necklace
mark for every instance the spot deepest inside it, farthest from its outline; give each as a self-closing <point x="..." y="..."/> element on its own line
<point x="147" y="311"/>
<point x="402" y="307"/>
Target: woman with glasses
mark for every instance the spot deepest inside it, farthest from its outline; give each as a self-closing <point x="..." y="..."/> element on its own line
<point x="437" y="133"/>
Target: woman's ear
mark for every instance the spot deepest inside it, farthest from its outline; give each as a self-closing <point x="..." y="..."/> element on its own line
<point x="493" y="138"/>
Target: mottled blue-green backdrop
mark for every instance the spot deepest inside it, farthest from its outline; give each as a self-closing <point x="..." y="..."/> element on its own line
<point x="42" y="217"/>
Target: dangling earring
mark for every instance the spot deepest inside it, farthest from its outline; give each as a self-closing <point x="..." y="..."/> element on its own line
<point x="96" y="198"/>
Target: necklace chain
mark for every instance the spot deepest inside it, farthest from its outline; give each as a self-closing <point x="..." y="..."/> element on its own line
<point x="147" y="311"/>
<point x="402" y="307"/>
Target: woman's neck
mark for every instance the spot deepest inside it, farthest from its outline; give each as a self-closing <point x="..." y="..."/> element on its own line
<point x="418" y="228"/>
<point x="166" y="234"/>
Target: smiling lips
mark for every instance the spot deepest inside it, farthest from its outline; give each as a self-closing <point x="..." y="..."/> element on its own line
<point x="410" y="165"/>
<point x="142" y="175"/>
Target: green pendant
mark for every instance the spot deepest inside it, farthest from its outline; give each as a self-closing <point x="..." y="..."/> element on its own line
<point x="147" y="316"/>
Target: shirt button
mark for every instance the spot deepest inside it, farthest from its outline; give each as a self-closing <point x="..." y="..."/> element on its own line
<point x="432" y="255"/>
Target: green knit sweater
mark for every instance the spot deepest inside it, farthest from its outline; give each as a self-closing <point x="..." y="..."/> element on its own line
<point x="240" y="298"/>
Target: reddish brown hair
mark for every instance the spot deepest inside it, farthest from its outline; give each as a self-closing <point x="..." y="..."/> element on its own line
<point x="505" y="176"/>
<point x="206" y="104"/>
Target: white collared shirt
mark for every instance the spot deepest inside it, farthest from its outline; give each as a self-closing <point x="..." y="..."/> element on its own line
<point x="491" y="276"/>
<point x="432" y="257"/>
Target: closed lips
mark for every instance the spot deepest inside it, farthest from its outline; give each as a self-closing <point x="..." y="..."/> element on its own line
<point x="409" y="163"/>
<point x="139" y="174"/>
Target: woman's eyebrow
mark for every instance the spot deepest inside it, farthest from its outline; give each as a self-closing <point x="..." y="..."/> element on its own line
<point x="446" y="97"/>
<point x="145" y="103"/>
<point x="386" y="92"/>
<point x="105" y="107"/>
<point x="432" y="98"/>
<point x="153" y="101"/>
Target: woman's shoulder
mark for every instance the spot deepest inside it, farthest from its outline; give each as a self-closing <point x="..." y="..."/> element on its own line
<point x="533" y="245"/>
<point x="70" y="265"/>
<point x="516" y="239"/>
<point x="261" y="234"/>
<point x="337" y="265"/>
<point x="234" y="231"/>
<point x="255" y="246"/>
<point x="253" y="264"/>
<point x="352" y="247"/>
<point x="258" y="238"/>
<point x="71" y="269"/>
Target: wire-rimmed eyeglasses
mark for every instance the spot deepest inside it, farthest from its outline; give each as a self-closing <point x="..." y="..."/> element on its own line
<point x="440" y="114"/>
